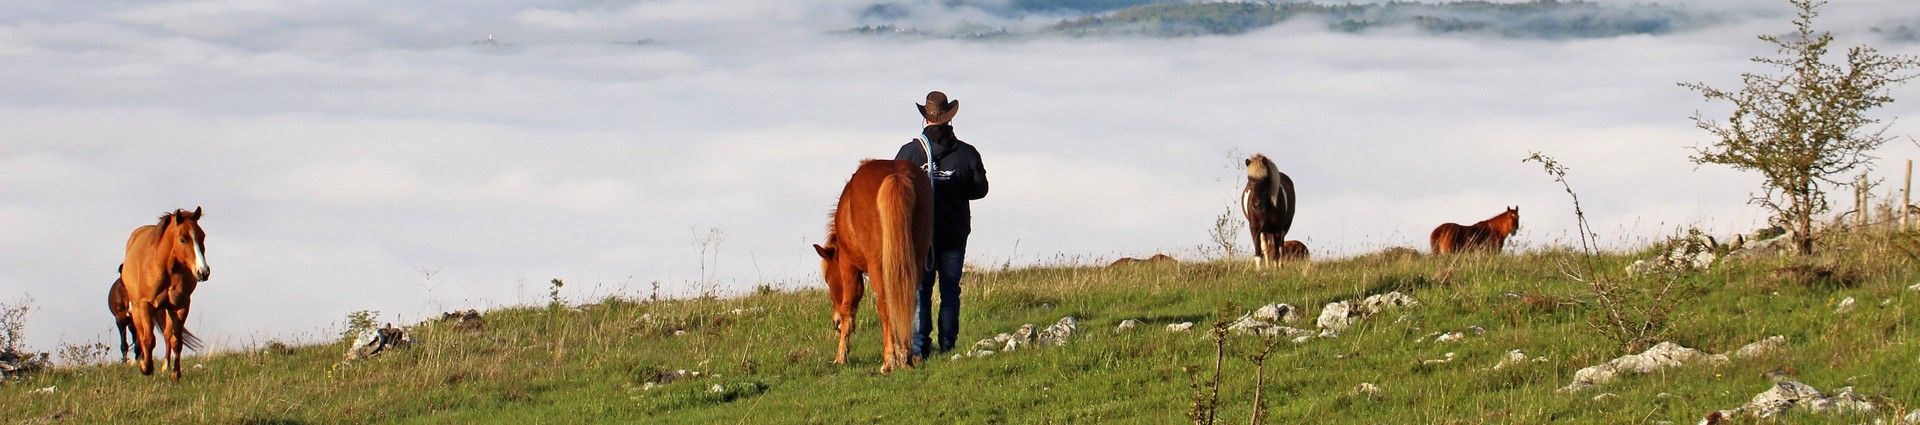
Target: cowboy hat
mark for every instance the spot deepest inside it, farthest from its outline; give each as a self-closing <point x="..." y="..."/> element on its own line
<point x="938" y="109"/>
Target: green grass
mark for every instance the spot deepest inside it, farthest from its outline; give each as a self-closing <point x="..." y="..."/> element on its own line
<point x="535" y="365"/>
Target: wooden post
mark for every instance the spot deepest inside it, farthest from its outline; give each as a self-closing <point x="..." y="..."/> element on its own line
<point x="1860" y="201"/>
<point x="1906" y="198"/>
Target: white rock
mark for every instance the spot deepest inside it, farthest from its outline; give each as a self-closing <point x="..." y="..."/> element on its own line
<point x="1915" y="287"/>
<point x="1303" y="339"/>
<point x="1514" y="357"/>
<point x="47" y="390"/>
<point x="1788" y="395"/>
<point x="1336" y="316"/>
<point x="1126" y="325"/>
<point x="1759" y="348"/>
<point x="1180" y="327"/>
<point x="1277" y="313"/>
<point x="1451" y="337"/>
<point x="1059" y="334"/>
<point x="1444" y="360"/>
<point x="1912" y="418"/>
<point x="1662" y="356"/>
<point x="1846" y="306"/>
<point x="1605" y="397"/>
<point x="1369" y="390"/>
<point x="716" y="389"/>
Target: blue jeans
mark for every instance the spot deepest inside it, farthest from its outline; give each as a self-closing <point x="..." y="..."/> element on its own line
<point x="947" y="262"/>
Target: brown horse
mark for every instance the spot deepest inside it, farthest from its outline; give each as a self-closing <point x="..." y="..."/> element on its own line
<point x="882" y="229"/>
<point x="1268" y="202"/>
<point x="1489" y="235"/>
<point x="122" y="315"/>
<point x="165" y="261"/>
<point x="1294" y="251"/>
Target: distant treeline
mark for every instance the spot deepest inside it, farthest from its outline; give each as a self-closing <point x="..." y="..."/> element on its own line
<point x="1548" y="19"/>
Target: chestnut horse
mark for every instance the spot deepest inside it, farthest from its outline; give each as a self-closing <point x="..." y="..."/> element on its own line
<point x="1294" y="251"/>
<point x="165" y="261"/>
<point x="882" y="229"/>
<point x="1268" y="202"/>
<point x="122" y="316"/>
<point x="1489" y="235"/>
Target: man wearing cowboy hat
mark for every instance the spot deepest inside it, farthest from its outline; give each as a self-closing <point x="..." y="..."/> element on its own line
<point x="958" y="178"/>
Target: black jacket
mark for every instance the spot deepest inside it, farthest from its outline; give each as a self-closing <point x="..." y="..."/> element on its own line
<point x="962" y="178"/>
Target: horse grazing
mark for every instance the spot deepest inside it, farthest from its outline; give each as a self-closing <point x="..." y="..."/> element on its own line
<point x="1294" y="251"/>
<point x="881" y="229"/>
<point x="1488" y="235"/>
<point x="1269" y="205"/>
<point x="165" y="261"/>
<point x="122" y="315"/>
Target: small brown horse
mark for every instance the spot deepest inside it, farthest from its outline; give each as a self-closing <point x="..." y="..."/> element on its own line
<point x="882" y="228"/>
<point x="1269" y="204"/>
<point x="122" y="315"/>
<point x="1294" y="251"/>
<point x="1489" y="235"/>
<point x="165" y="261"/>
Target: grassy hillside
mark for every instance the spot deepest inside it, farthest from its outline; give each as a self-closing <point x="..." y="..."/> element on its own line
<point x="770" y="358"/>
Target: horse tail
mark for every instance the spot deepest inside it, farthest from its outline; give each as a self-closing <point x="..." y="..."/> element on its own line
<point x="1441" y="239"/>
<point x="1284" y="200"/>
<point x="905" y="236"/>
<point x="187" y="339"/>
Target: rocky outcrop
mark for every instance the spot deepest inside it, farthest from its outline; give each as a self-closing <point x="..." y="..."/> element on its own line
<point x="376" y="341"/>
<point x="1337" y="316"/>
<point x="1269" y="321"/>
<point x="1060" y="333"/>
<point x="14" y="364"/>
<point x="1692" y="253"/>
<point x="1664" y="355"/>
<point x="1789" y="396"/>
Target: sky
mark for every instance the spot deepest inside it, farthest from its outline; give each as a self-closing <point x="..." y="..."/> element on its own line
<point x="363" y="155"/>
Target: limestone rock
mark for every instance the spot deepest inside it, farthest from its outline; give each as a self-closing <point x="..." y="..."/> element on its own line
<point x="1126" y="326"/>
<point x="1277" y="313"/>
<point x="1759" y="348"/>
<point x="1442" y="360"/>
<point x="1662" y="356"/>
<point x="1368" y="390"/>
<point x="1846" y="306"/>
<point x="1790" y="395"/>
<point x="1337" y="316"/>
<point x="1450" y="337"/>
<point x="1180" y="327"/>
<point x="1059" y="334"/>
<point x="376" y="341"/>
<point x="1513" y="358"/>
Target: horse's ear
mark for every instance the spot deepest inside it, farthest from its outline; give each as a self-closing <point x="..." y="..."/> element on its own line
<point x="825" y="252"/>
<point x="196" y="213"/>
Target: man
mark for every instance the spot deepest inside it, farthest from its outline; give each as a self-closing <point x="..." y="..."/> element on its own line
<point x="958" y="178"/>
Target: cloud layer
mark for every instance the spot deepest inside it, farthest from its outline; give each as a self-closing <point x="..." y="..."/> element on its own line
<point x="344" y="150"/>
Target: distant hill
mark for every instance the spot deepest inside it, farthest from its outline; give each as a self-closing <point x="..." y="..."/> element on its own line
<point x="1543" y="19"/>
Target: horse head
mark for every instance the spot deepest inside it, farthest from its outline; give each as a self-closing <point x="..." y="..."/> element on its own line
<point x="181" y="229"/>
<point x="1511" y="219"/>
